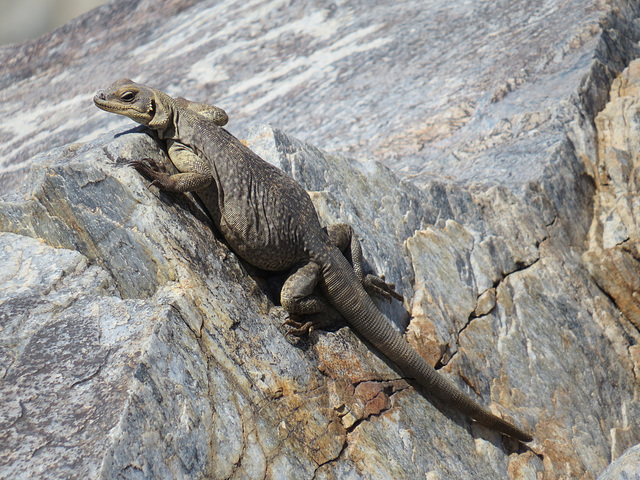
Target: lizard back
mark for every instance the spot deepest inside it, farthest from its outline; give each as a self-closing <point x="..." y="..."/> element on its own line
<point x="262" y="212"/>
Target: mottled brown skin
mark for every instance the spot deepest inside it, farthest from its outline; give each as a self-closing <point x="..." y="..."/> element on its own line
<point x="268" y="219"/>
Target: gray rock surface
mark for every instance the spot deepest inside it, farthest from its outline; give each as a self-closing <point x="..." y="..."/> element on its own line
<point x="134" y="344"/>
<point x="627" y="467"/>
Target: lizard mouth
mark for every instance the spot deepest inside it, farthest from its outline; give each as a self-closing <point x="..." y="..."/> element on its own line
<point x="135" y="114"/>
<point x="102" y="103"/>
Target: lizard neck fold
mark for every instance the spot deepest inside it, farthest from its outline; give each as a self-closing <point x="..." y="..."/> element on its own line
<point x="164" y="119"/>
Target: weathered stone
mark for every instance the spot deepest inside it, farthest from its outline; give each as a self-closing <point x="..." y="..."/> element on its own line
<point x="486" y="302"/>
<point x="69" y="346"/>
<point x="184" y="406"/>
<point x="160" y="355"/>
<point x="381" y="84"/>
<point x="613" y="257"/>
<point x="627" y="467"/>
<point x="445" y="292"/>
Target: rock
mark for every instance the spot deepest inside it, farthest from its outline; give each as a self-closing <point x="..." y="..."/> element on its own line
<point x="69" y="346"/>
<point x="445" y="293"/>
<point x="625" y="467"/>
<point x="134" y="344"/>
<point x="486" y="302"/>
<point x="614" y="237"/>
<point x="408" y="90"/>
<point x="613" y="256"/>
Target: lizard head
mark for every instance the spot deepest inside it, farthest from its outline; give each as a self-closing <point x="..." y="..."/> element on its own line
<point x="141" y="104"/>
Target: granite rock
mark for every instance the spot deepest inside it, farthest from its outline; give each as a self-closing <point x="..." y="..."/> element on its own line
<point x="625" y="467"/>
<point x="614" y="237"/>
<point x="493" y="182"/>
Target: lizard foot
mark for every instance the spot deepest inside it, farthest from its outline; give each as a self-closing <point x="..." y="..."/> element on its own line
<point x="148" y="167"/>
<point x="375" y="284"/>
<point x="151" y="170"/>
<point x="303" y="325"/>
<point x="298" y="328"/>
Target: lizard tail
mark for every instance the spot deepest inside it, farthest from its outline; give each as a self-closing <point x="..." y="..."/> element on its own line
<point x="350" y="299"/>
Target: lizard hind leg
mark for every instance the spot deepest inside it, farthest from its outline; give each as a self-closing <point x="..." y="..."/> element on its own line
<point x="307" y="310"/>
<point x="343" y="237"/>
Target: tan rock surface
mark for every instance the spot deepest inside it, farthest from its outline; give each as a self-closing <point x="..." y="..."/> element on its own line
<point x="134" y="344"/>
<point x="613" y="257"/>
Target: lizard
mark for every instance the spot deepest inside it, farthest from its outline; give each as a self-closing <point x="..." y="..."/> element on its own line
<point x="268" y="219"/>
<point x="340" y="234"/>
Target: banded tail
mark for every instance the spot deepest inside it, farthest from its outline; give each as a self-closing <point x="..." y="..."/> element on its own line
<point x="348" y="297"/>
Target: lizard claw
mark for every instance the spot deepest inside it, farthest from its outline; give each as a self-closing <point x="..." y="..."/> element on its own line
<point x="298" y="329"/>
<point x="146" y="164"/>
<point x="375" y="284"/>
<point x="139" y="165"/>
<point x="149" y="169"/>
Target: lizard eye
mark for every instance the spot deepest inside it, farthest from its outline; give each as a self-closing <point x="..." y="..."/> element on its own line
<point x="128" y="96"/>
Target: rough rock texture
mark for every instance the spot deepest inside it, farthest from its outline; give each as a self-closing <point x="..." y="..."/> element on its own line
<point x="624" y="468"/>
<point x="614" y="237"/>
<point x="134" y="344"/>
<point x="613" y="256"/>
<point x="459" y="90"/>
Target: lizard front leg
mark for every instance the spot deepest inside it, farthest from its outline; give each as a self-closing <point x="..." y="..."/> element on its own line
<point x="179" y="182"/>
<point x="194" y="172"/>
<point x="307" y="311"/>
<point x="343" y="237"/>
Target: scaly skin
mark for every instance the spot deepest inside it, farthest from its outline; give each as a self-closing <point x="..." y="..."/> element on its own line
<point x="268" y="219"/>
